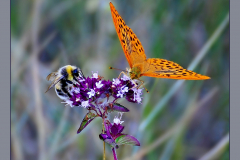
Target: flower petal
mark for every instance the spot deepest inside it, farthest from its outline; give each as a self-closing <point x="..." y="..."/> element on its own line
<point x="120" y="128"/>
<point x="108" y="140"/>
<point x="114" y="129"/>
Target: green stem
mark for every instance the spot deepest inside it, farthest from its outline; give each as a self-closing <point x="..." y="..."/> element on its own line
<point x="104" y="155"/>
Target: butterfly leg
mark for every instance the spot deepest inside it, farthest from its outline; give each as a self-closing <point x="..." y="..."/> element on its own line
<point x="135" y="84"/>
<point x="131" y="79"/>
<point x="142" y="84"/>
<point x="121" y="74"/>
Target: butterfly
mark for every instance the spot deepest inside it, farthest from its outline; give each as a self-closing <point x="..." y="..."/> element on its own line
<point x="139" y="64"/>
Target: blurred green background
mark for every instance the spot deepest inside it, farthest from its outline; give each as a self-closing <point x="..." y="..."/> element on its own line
<point x="178" y="119"/>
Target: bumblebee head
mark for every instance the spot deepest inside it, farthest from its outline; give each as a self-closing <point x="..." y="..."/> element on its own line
<point x="71" y="72"/>
<point x="76" y="72"/>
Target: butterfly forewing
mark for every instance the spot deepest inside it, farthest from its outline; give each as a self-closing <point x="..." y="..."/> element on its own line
<point x="162" y="68"/>
<point x="131" y="45"/>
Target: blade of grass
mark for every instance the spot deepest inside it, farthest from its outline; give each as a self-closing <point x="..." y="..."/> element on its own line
<point x="158" y="108"/>
<point x="16" y="144"/>
<point x="168" y="150"/>
<point x="58" y="133"/>
<point x="217" y="149"/>
<point x="39" y="118"/>
<point x="185" y="119"/>
<point x="171" y="145"/>
<point x="72" y="139"/>
<point x="75" y="136"/>
<point x="21" y="68"/>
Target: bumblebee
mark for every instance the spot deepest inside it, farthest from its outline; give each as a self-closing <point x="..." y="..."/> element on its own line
<point x="65" y="78"/>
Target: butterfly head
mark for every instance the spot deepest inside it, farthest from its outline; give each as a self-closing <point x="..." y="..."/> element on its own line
<point x="135" y="73"/>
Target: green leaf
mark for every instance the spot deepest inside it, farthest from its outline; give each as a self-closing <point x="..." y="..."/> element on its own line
<point x="127" y="139"/>
<point x="117" y="107"/>
<point x="86" y="120"/>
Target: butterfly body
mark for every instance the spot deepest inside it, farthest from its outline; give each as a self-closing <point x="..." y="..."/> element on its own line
<point x="135" y="72"/>
<point x="139" y="64"/>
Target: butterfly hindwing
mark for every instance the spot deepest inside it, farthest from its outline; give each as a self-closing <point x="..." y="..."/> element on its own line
<point x="162" y="68"/>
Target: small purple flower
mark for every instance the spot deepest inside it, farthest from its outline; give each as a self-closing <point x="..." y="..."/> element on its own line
<point x="125" y="78"/>
<point x="114" y="136"/>
<point x="68" y="102"/>
<point x="137" y="95"/>
<point x="116" y="81"/>
<point x="95" y="75"/>
<point x="91" y="93"/>
<point x="76" y="90"/>
<point x="122" y="91"/>
<point x="99" y="85"/>
<point x="85" y="104"/>
<point x="117" y="120"/>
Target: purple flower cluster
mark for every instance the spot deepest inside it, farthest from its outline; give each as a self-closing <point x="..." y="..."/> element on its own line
<point x="114" y="136"/>
<point x="99" y="93"/>
<point x="100" y="97"/>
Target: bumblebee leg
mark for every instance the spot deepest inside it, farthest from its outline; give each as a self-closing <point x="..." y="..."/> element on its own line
<point x="61" y="94"/>
<point x="65" y="87"/>
<point x="82" y="75"/>
<point x="76" y="81"/>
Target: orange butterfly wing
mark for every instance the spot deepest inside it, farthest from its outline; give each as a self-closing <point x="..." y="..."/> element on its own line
<point x="162" y="68"/>
<point x="131" y="45"/>
<point x="151" y="67"/>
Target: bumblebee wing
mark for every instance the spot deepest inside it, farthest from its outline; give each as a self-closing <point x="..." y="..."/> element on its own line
<point x="55" y="81"/>
<point x="52" y="76"/>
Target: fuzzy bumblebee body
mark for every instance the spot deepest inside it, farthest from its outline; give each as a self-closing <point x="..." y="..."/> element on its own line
<point x="64" y="79"/>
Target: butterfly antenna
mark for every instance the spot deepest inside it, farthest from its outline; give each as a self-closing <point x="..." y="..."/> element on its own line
<point x="118" y="69"/>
